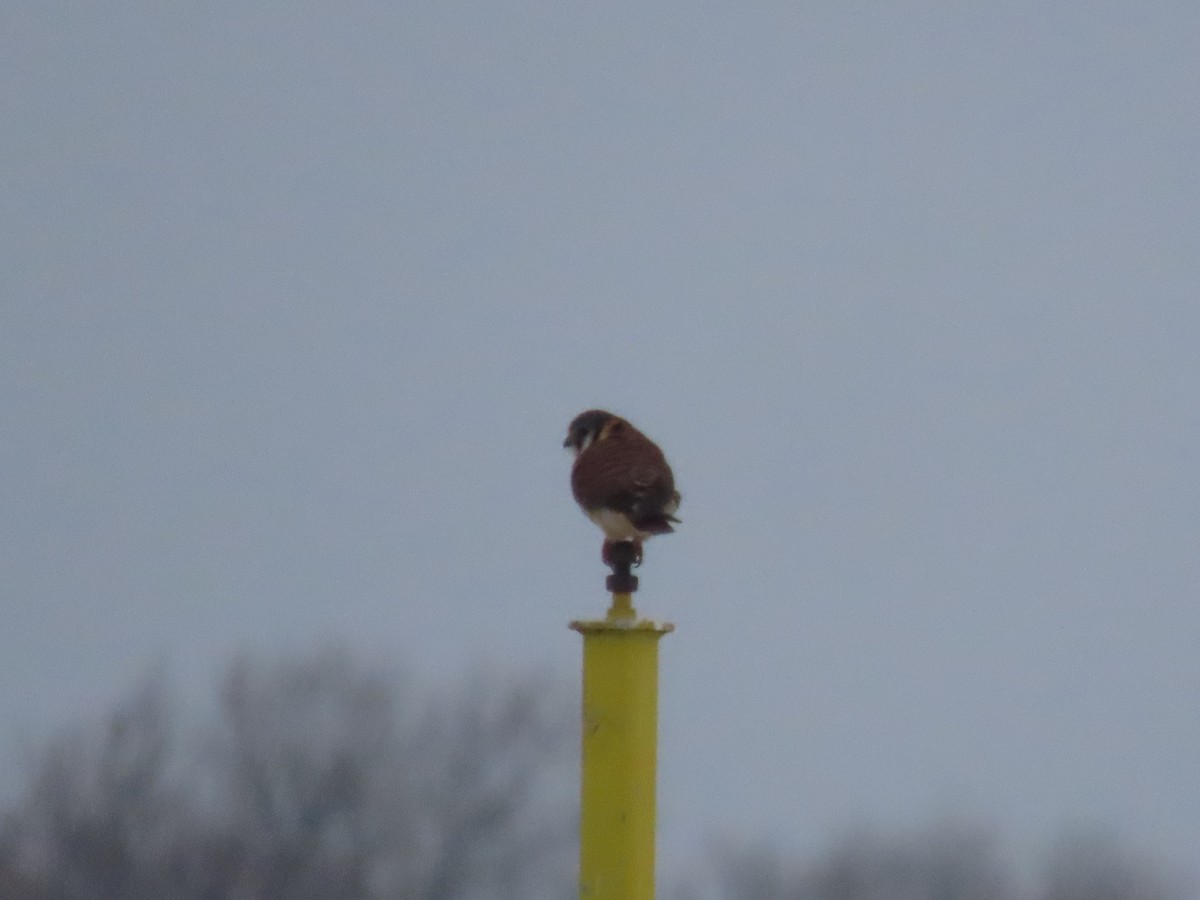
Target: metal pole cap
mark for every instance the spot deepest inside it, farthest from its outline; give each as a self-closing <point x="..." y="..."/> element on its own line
<point x="621" y="558"/>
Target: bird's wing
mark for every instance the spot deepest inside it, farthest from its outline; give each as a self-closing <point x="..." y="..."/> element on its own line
<point x="627" y="479"/>
<point x="650" y="489"/>
<point x="639" y="490"/>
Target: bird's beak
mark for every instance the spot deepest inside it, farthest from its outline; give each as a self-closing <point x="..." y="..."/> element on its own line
<point x="567" y="442"/>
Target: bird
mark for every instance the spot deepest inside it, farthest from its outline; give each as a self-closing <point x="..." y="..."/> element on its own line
<point x="621" y="480"/>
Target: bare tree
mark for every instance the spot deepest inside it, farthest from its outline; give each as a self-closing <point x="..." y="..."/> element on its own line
<point x="300" y="754"/>
<point x="945" y="863"/>
<point x="1092" y="865"/>
<point x="103" y="809"/>
<point x="498" y="765"/>
<point x="320" y="778"/>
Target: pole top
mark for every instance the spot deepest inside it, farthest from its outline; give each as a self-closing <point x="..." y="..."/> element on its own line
<point x="622" y="557"/>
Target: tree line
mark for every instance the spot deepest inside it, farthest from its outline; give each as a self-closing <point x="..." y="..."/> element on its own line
<point x="322" y="777"/>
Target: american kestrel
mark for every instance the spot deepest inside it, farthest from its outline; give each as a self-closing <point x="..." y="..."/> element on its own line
<point x="621" y="479"/>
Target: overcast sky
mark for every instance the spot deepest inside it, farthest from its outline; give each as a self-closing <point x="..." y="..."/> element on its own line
<point x="298" y="298"/>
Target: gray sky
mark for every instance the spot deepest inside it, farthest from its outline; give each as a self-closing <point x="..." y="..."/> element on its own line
<point x="297" y="300"/>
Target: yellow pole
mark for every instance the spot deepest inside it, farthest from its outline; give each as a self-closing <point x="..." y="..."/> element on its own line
<point x="620" y="738"/>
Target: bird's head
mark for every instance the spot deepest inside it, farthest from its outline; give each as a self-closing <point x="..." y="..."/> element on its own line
<point x="587" y="428"/>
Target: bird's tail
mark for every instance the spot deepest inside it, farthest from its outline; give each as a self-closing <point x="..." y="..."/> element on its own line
<point x="660" y="524"/>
